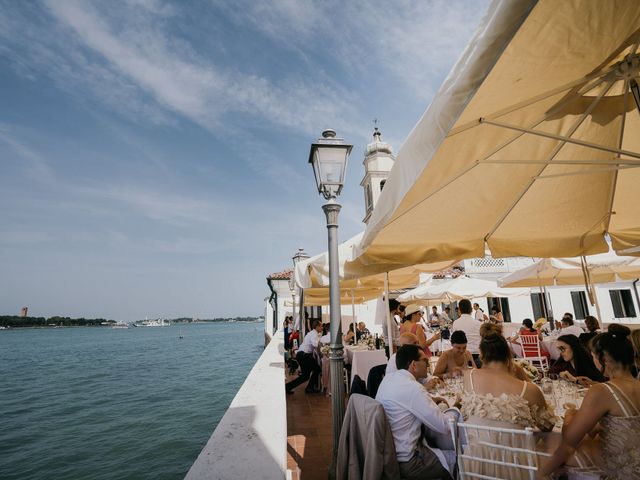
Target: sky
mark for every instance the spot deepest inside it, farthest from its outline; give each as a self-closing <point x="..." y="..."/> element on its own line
<point x="154" y="155"/>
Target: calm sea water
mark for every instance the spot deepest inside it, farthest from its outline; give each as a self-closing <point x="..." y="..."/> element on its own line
<point x="99" y="403"/>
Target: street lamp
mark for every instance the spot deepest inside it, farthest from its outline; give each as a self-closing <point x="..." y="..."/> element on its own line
<point x="328" y="156"/>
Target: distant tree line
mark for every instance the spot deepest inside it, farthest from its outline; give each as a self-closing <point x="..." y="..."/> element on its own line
<point x="15" y="321"/>
<point x="217" y="319"/>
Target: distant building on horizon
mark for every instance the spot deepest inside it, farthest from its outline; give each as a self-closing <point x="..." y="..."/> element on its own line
<point x="24" y="311"/>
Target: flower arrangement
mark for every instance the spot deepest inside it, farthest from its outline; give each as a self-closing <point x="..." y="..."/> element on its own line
<point x="529" y="369"/>
<point x="324" y="350"/>
<point x="539" y="323"/>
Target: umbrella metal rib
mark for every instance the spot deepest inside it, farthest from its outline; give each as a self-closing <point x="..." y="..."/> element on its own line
<point x="554" y="152"/>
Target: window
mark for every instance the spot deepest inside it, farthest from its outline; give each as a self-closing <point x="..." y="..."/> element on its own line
<point x="382" y="182"/>
<point x="368" y="200"/>
<point x="622" y="302"/>
<point x="540" y="304"/>
<point x="502" y="304"/>
<point x="580" y="307"/>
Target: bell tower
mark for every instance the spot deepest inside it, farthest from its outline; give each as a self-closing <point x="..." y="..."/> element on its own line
<point x="378" y="160"/>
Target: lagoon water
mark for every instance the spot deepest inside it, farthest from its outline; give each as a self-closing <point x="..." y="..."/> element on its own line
<point x="101" y="403"/>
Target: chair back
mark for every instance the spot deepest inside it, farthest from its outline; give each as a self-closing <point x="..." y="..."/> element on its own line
<point x="530" y="345"/>
<point x="366" y="448"/>
<point x="497" y="453"/>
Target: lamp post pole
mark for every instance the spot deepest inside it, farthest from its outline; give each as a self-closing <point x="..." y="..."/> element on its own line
<point x="328" y="157"/>
<point x="336" y="362"/>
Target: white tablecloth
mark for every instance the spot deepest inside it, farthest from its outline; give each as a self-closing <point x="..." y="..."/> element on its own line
<point x="364" y="360"/>
<point x="438" y="345"/>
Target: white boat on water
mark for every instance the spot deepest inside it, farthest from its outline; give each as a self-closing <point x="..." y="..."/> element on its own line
<point x="120" y="325"/>
<point x="161" y="322"/>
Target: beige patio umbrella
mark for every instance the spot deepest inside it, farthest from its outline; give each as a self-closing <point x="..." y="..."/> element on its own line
<point x="320" y="295"/>
<point x="531" y="146"/>
<point x="314" y="271"/>
<point x="433" y="293"/>
<point x="603" y="268"/>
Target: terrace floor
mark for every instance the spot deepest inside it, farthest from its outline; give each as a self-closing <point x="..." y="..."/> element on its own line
<point x="309" y="435"/>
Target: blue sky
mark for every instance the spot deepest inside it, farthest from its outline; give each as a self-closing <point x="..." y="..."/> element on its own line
<point x="153" y="155"/>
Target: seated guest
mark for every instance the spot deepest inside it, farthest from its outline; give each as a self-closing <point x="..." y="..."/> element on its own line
<point x="493" y="396"/>
<point x="411" y="325"/>
<point x="575" y="363"/>
<point x="308" y="364"/>
<point x="409" y="408"/>
<point x="568" y="328"/>
<point x="430" y="381"/>
<point x="496" y="314"/>
<point x="349" y="337"/>
<point x="326" y="333"/>
<point x="455" y="361"/>
<point x="606" y="428"/>
<point x="362" y="331"/>
<point x="471" y="328"/>
<point x="527" y="328"/>
<point x="593" y="327"/>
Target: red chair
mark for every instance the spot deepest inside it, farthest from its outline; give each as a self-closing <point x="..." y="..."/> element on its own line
<point x="532" y="351"/>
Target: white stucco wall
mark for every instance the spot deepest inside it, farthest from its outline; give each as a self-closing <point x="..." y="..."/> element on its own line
<point x="250" y="441"/>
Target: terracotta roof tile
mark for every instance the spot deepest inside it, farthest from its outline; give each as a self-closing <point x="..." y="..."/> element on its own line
<point x="284" y="275"/>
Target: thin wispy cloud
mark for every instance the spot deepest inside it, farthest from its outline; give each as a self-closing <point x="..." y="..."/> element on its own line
<point x="146" y="140"/>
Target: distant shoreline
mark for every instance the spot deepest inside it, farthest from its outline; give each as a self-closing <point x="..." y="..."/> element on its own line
<point x="15" y="322"/>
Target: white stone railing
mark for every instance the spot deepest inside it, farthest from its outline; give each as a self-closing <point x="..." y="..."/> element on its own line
<point x="251" y="439"/>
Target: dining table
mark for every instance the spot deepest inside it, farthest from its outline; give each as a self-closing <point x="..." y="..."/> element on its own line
<point x="362" y="360"/>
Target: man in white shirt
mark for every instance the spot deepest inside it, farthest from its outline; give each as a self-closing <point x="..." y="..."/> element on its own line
<point x="471" y="327"/>
<point x="409" y="407"/>
<point x="308" y="364"/>
<point x="409" y="338"/>
<point x="478" y="313"/>
<point x="568" y="327"/>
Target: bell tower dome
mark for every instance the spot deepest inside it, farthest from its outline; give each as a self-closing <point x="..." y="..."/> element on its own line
<point x="378" y="160"/>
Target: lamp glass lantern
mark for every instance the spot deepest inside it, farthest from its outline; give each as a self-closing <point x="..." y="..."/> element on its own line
<point x="328" y="157"/>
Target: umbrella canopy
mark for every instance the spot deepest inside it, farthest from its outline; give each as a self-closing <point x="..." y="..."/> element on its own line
<point x="532" y="144"/>
<point x="314" y="271"/>
<point x="603" y="268"/>
<point x="320" y="295"/>
<point x="457" y="289"/>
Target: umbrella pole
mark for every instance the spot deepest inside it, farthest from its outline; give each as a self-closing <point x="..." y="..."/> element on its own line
<point x="591" y="290"/>
<point x="353" y="315"/>
<point x="389" y="340"/>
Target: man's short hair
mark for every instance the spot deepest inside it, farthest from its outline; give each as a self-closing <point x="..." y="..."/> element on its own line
<point x="393" y="304"/>
<point x="402" y="308"/>
<point x="314" y="323"/>
<point x="568" y="314"/>
<point x="465" y="306"/>
<point x="407" y="354"/>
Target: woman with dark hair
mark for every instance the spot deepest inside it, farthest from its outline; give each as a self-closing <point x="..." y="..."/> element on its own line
<point x="614" y="406"/>
<point x="575" y="363"/>
<point x="494" y="396"/>
<point x="527" y="328"/>
<point x="411" y="325"/>
<point x="349" y="337"/>
<point x="592" y="325"/>
<point x="456" y="360"/>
